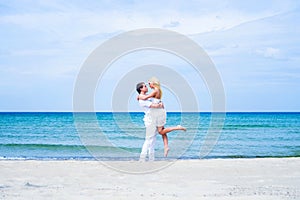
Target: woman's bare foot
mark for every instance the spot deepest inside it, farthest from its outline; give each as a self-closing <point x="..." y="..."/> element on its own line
<point x="181" y="128"/>
<point x="166" y="151"/>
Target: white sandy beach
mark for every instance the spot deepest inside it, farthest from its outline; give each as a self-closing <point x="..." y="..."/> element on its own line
<point x="267" y="178"/>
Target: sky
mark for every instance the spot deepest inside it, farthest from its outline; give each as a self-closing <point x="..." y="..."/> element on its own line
<point x="254" y="45"/>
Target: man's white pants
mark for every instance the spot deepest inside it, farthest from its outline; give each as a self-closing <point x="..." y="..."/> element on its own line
<point x="149" y="144"/>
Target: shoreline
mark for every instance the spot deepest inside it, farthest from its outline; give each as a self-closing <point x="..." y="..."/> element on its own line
<point x="130" y="159"/>
<point x="254" y="178"/>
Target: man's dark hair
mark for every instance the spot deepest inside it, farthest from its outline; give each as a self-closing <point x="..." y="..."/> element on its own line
<point x="139" y="86"/>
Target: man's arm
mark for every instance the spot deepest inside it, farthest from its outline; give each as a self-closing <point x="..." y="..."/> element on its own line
<point x="149" y="104"/>
<point x="157" y="105"/>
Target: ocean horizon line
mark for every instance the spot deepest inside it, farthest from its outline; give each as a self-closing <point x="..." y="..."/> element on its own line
<point x="204" y="112"/>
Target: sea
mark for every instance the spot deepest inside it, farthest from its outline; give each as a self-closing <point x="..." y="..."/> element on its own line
<point x="120" y="136"/>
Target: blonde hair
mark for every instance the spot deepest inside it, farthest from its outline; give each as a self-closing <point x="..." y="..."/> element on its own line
<point x="155" y="81"/>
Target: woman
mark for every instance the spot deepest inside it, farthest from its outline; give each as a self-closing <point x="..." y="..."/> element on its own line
<point x="159" y="115"/>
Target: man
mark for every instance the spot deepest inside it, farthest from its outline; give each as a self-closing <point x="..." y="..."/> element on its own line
<point x="151" y="129"/>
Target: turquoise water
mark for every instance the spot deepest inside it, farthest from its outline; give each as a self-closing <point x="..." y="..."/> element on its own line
<point x="120" y="136"/>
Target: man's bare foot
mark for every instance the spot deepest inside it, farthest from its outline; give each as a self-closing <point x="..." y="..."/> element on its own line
<point x="181" y="128"/>
<point x="166" y="151"/>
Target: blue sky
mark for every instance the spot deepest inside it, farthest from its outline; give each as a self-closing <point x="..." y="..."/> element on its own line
<point x="255" y="46"/>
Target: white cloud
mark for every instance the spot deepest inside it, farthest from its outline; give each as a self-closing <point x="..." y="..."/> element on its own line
<point x="270" y="52"/>
<point x="36" y="52"/>
<point x="172" y="24"/>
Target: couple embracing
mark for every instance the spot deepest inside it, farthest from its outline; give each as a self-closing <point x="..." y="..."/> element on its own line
<point x="154" y="119"/>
